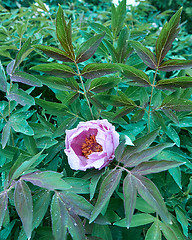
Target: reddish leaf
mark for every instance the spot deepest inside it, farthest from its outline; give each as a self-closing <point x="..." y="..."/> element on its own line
<point x="167" y="36"/>
<point x="88" y="48"/>
<point x="3" y="206"/>
<point x="107" y="188"/>
<point x="130" y="195"/>
<point x="145" y="54"/>
<point x="175" y="64"/>
<point x="24" y="206"/>
<point x="54" y="53"/>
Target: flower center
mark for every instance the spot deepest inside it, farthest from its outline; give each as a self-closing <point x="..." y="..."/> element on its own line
<point x="90" y="146"/>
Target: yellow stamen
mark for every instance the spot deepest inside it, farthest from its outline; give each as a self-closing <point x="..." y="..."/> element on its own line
<point x="90" y="146"/>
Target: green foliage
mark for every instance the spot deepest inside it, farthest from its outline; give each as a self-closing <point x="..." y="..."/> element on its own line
<point x="104" y="64"/>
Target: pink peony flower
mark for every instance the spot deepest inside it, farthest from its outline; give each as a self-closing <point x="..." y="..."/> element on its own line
<point x="91" y="144"/>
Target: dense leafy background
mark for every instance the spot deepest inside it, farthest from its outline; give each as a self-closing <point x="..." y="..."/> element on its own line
<point x="138" y="76"/>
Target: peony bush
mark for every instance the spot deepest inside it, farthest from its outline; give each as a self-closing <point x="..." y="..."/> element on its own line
<point x="95" y="122"/>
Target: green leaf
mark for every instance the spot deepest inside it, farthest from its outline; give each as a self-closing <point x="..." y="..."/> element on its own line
<point x="57" y="69"/>
<point x="4" y="234"/>
<point x="66" y="124"/>
<point x="26" y="78"/>
<point x="19" y="124"/>
<point x="176" y="174"/>
<point x="115" y="100"/>
<point x="124" y="111"/>
<point x="89" y="47"/>
<point x="155" y="166"/>
<point x="179" y="82"/>
<point x="118" y="17"/>
<point x="182" y="218"/>
<point x="3" y="206"/>
<point x="76" y="228"/>
<point x="130" y="195"/>
<point x="143" y="206"/>
<point x="5" y="134"/>
<point x="52" y="107"/>
<point x="63" y="31"/>
<point x="171" y="115"/>
<point x="24" y="206"/>
<point x="94" y="70"/>
<point x="78" y="185"/>
<point x="145" y="54"/>
<point x="138" y="115"/>
<point x="168" y="232"/>
<point x="59" y="83"/>
<point x="146" y="154"/>
<point x="123" y="48"/>
<point x="59" y="218"/>
<point x="137" y="220"/>
<point x="107" y="188"/>
<point x="153" y="232"/>
<point x="135" y="75"/>
<point x="99" y="28"/>
<point x="22" y="54"/>
<point x="180" y="105"/>
<point x="47" y="179"/>
<point x="103" y="84"/>
<point x="175" y="64"/>
<point x="111" y="50"/>
<point x="23" y="164"/>
<point x="149" y="192"/>
<point x="101" y="232"/>
<point x="3" y="80"/>
<point x="41" y="5"/>
<point x="173" y="135"/>
<point x="54" y="53"/>
<point x="167" y="36"/>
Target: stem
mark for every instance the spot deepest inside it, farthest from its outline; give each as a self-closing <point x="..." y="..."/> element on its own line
<point x="149" y="111"/>
<point x="85" y="94"/>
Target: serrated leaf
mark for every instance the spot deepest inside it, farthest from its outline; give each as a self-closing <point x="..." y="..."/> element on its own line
<point x="89" y="47"/>
<point x="59" y="218"/>
<point x="149" y="192"/>
<point x="146" y="154"/>
<point x="145" y="54"/>
<point x="26" y="78"/>
<point x="103" y="84"/>
<point x="135" y="75"/>
<point x="22" y="54"/>
<point x="155" y="166"/>
<point x="180" y="105"/>
<point x="54" y="53"/>
<point x="94" y="70"/>
<point x="167" y="36"/>
<point x="24" y="206"/>
<point x="175" y="64"/>
<point x="130" y="195"/>
<point x="60" y="70"/>
<point x="107" y="188"/>
<point x="153" y="232"/>
<point x="3" y="206"/>
<point x="52" y="107"/>
<point x="63" y="31"/>
<point x="179" y="82"/>
<point x="118" y="17"/>
<point x="3" y="81"/>
<point x="47" y="179"/>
